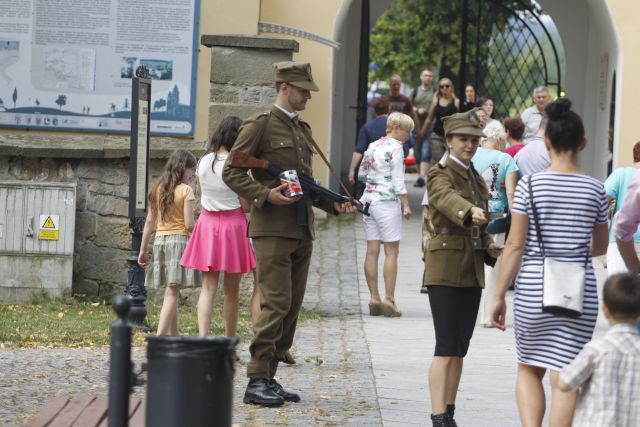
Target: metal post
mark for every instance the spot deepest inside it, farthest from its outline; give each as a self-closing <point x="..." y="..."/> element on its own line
<point x="363" y="68"/>
<point x="138" y="178"/>
<point x="120" y="367"/>
<point x="462" y="78"/>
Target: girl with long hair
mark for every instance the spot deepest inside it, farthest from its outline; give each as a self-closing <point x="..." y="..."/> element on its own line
<point x="219" y="242"/>
<point x="171" y="218"/>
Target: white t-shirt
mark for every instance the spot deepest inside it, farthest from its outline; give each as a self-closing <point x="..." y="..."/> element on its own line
<point x="216" y="196"/>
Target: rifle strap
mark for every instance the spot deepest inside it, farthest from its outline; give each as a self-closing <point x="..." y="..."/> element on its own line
<point x="324" y="158"/>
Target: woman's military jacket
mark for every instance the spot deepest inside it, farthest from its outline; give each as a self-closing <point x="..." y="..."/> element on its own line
<point x="455" y="255"/>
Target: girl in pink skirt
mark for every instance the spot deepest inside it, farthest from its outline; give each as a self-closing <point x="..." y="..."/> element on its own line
<point x="219" y="241"/>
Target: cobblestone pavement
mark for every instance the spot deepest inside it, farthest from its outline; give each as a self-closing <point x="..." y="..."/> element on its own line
<point x="333" y="371"/>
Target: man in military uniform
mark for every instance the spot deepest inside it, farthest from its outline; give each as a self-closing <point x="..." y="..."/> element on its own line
<point x="281" y="227"/>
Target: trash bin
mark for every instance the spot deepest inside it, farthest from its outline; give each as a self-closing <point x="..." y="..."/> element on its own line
<point x="190" y="381"/>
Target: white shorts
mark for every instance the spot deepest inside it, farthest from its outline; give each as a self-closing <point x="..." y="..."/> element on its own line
<point x="385" y="222"/>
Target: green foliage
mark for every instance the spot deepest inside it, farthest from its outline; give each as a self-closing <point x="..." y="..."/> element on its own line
<point x="412" y="34"/>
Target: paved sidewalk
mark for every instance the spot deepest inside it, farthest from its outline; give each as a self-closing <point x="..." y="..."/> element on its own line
<point x="402" y="348"/>
<point x="352" y="369"/>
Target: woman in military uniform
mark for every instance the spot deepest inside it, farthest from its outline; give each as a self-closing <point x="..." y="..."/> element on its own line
<point x="455" y="254"/>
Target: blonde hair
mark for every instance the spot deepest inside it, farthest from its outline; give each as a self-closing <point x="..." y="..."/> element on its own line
<point x="401" y="120"/>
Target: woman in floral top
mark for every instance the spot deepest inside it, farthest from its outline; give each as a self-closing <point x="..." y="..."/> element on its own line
<point x="382" y="171"/>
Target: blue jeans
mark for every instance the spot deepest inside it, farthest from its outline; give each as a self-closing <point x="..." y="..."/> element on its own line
<point x="424" y="153"/>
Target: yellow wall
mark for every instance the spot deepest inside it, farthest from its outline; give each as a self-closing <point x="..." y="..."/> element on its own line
<point x="314" y="17"/>
<point x="624" y="13"/>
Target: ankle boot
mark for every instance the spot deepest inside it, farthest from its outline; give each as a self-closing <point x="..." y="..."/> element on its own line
<point x="450" y="411"/>
<point x="440" y="420"/>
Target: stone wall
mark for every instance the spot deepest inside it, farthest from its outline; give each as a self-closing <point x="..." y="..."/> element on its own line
<point x="242" y="84"/>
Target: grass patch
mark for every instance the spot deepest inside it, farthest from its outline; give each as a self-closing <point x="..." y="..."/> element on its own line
<point x="76" y="323"/>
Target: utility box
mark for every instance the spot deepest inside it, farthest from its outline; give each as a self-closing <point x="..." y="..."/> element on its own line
<point x="37" y="227"/>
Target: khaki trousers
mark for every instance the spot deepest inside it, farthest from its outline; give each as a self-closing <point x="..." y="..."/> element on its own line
<point x="283" y="266"/>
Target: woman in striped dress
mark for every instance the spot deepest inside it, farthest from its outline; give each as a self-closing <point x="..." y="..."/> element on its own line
<point x="572" y="212"/>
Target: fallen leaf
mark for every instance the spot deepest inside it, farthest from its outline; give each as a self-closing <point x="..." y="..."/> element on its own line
<point x="60" y="315"/>
<point x="95" y="304"/>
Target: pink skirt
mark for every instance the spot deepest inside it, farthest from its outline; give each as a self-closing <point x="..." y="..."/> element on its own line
<point x="219" y="243"/>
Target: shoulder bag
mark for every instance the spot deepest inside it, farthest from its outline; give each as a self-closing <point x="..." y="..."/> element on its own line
<point x="562" y="282"/>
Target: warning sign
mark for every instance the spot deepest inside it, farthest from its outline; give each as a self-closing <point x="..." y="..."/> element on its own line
<point x="49" y="227"/>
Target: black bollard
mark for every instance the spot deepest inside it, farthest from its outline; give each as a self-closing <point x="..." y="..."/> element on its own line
<point x="120" y="369"/>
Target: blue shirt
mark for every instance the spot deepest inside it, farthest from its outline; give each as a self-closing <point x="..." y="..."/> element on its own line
<point x="494" y="166"/>
<point x="371" y="131"/>
<point x="616" y="187"/>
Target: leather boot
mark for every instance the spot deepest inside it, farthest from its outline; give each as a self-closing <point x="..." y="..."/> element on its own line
<point x="260" y="392"/>
<point x="440" y="420"/>
<point x="451" y="409"/>
<point x="288" y="396"/>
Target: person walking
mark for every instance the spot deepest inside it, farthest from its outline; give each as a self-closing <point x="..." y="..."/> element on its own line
<point x="469" y="99"/>
<point x="616" y="186"/>
<point x="421" y="98"/>
<point x="500" y="175"/>
<point x="371" y="131"/>
<point x="608" y="369"/>
<point x="533" y="115"/>
<point x="571" y="210"/>
<point x="514" y="127"/>
<point x="219" y="240"/>
<point x="281" y="226"/>
<point x="382" y="171"/>
<point x="444" y="104"/>
<point x="171" y="218"/>
<point x="534" y="156"/>
<point x="455" y="256"/>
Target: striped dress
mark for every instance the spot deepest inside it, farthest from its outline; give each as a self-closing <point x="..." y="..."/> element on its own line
<point x="568" y="205"/>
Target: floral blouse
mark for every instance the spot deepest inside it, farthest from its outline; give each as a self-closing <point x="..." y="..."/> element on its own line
<point x="382" y="171"/>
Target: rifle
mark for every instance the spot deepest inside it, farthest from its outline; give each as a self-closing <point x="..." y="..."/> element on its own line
<point x="309" y="185"/>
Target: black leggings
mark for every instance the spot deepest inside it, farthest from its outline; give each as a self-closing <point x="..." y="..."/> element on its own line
<point x="454" y="312"/>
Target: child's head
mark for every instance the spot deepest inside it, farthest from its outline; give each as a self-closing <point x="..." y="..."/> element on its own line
<point x="179" y="168"/>
<point x="225" y="134"/>
<point x="621" y="297"/>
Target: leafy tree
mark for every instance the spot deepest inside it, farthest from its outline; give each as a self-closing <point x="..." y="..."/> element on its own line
<point x="37" y="102"/>
<point x="125" y="106"/>
<point x="412" y="34"/>
<point x="14" y="97"/>
<point x="62" y="100"/>
<point x="159" y="104"/>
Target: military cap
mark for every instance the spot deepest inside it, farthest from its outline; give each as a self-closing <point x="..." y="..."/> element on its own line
<point x="296" y="73"/>
<point x="466" y="123"/>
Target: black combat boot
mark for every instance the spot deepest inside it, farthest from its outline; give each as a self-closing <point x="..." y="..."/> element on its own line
<point x="440" y="420"/>
<point x="450" y="411"/>
<point x="288" y="396"/>
<point x="260" y="392"/>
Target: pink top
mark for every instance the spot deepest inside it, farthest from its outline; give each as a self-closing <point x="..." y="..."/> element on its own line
<point x="628" y="218"/>
<point x="514" y="149"/>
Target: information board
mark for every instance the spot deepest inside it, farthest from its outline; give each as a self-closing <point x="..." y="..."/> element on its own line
<point x="68" y="64"/>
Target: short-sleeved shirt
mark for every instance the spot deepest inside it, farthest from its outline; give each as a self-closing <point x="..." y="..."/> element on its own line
<point x="628" y="218"/>
<point x="494" y="166"/>
<point x="533" y="158"/>
<point x="382" y="171"/>
<point x="173" y="221"/>
<point x="514" y="149"/>
<point x="608" y="370"/>
<point x="400" y="103"/>
<point x="531" y="118"/>
<point x="371" y="131"/>
<point x="616" y="186"/>
<point x="422" y="99"/>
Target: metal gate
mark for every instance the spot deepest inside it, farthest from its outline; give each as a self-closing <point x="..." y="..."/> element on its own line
<point x="507" y="50"/>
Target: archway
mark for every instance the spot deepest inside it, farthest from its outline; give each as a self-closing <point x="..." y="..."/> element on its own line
<point x="591" y="52"/>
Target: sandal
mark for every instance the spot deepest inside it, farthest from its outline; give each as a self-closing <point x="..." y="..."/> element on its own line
<point x="375" y="308"/>
<point x="389" y="308"/>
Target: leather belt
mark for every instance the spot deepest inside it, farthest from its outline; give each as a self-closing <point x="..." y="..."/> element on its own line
<point x="474" y="233"/>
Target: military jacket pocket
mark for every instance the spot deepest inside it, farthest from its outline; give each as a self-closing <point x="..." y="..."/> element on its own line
<point x="447" y="242"/>
<point x="444" y="257"/>
<point x="277" y="144"/>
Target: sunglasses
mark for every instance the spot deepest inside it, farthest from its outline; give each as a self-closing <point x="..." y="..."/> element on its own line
<point x="444" y="86"/>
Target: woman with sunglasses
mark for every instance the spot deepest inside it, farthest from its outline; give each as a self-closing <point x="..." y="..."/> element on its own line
<point x="444" y="104"/>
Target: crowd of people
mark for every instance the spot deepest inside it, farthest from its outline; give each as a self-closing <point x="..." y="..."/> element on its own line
<point x="505" y="201"/>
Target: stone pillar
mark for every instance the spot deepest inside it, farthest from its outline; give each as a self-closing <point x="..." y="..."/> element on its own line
<point x="242" y="75"/>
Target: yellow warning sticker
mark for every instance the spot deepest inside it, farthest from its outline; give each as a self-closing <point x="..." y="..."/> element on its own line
<point x="48" y="229"/>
